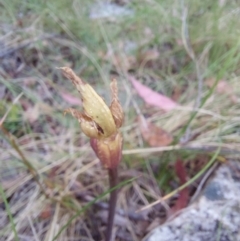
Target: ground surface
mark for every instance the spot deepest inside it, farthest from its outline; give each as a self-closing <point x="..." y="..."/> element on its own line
<point x="187" y="51"/>
<point x="214" y="216"/>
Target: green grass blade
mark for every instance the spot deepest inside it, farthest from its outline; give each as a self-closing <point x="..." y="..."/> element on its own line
<point x="91" y="203"/>
<point x="224" y="60"/>
<point x="9" y="213"/>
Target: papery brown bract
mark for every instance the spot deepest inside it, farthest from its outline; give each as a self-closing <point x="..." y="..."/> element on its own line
<point x="108" y="150"/>
<point x="98" y="121"/>
<point x="115" y="107"/>
<point x="94" y="107"/>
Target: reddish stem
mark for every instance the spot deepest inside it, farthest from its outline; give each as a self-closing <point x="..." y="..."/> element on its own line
<point x="113" y="181"/>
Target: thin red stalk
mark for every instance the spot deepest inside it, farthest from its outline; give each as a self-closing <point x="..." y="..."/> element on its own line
<point x="113" y="181"/>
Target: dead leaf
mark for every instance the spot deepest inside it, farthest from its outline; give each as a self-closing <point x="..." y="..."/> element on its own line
<point x="154" y="135"/>
<point x="46" y="213"/>
<point x="70" y="98"/>
<point x="183" y="198"/>
<point x="153" y="98"/>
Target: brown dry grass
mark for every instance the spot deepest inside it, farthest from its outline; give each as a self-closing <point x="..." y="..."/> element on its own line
<point x="32" y="103"/>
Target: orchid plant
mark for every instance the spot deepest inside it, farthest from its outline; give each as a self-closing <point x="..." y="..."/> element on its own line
<point x="101" y="123"/>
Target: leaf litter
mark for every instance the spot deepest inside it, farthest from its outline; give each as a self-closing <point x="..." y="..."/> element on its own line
<point x="59" y="153"/>
<point x="153" y="98"/>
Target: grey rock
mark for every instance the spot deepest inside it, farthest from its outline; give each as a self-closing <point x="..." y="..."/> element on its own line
<point x="214" y="217"/>
<point x="108" y="10"/>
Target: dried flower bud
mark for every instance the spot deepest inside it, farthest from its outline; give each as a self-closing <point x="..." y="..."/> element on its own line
<point x="88" y="126"/>
<point x="94" y="106"/>
<point x="98" y="121"/>
<point x="108" y="150"/>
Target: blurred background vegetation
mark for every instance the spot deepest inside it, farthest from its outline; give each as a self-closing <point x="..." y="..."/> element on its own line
<point x="185" y="50"/>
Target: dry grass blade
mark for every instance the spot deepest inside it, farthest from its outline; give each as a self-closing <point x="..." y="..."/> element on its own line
<point x="48" y="171"/>
<point x="213" y="159"/>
